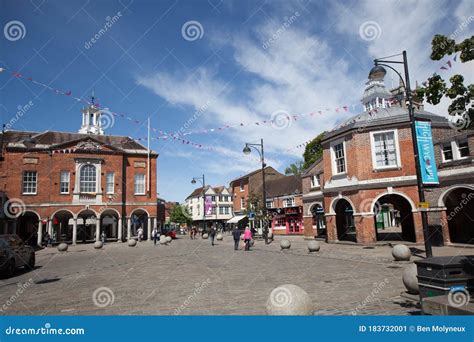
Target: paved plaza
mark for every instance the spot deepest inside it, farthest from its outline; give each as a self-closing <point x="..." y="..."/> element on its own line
<point x="191" y="277"/>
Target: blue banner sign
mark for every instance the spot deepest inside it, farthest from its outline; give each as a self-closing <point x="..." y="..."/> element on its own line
<point x="237" y="328"/>
<point x="424" y="140"/>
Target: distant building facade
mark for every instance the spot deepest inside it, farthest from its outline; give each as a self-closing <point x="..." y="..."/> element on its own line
<point x="75" y="186"/>
<point x="219" y="206"/>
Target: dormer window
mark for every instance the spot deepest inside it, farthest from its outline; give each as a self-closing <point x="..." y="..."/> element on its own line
<point x="315" y="181"/>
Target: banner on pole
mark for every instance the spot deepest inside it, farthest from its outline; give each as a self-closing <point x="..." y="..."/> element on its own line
<point x="424" y="140"/>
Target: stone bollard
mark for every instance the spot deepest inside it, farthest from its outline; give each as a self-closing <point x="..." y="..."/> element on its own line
<point x="168" y="239"/>
<point x="62" y="247"/>
<point x="98" y="244"/>
<point x="132" y="242"/>
<point x="285" y="244"/>
<point x="205" y="236"/>
<point x="289" y="300"/>
<point x="410" y="280"/>
<point x="401" y="253"/>
<point x="163" y="240"/>
<point x="314" y="246"/>
<point x="220" y="237"/>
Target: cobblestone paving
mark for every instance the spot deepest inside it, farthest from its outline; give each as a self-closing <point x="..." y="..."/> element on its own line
<point x="191" y="277"/>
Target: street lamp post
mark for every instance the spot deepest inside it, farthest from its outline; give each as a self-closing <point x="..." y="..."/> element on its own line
<point x="424" y="219"/>
<point x="259" y="149"/>
<point x="202" y="180"/>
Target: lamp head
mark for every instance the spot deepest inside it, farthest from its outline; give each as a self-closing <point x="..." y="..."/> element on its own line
<point x="377" y="72"/>
<point x="193" y="181"/>
<point x="246" y="149"/>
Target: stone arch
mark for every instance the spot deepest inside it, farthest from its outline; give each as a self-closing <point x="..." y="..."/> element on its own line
<point x="445" y="193"/>
<point x="62" y="225"/>
<point x="86" y="225"/>
<point x="110" y="223"/>
<point x="412" y="204"/>
<point x="333" y="204"/>
<point x="459" y="203"/>
<point x="345" y="224"/>
<point x="139" y="219"/>
<point x="27" y="226"/>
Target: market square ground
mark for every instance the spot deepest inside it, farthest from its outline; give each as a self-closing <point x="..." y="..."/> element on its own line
<point x="190" y="277"/>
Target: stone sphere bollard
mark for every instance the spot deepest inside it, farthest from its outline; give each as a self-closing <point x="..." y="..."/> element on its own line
<point x="132" y="242"/>
<point x="62" y="247"/>
<point x="205" y="236"/>
<point x="220" y="237"/>
<point x="289" y="300"/>
<point x="168" y="239"/>
<point x="410" y="280"/>
<point x="314" y="246"/>
<point x="98" y="244"/>
<point x="285" y="244"/>
<point x="401" y="253"/>
<point x="163" y="240"/>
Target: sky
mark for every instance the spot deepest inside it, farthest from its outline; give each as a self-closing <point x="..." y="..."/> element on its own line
<point x="191" y="66"/>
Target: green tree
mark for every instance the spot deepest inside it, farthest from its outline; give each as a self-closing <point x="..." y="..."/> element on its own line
<point x="313" y="151"/>
<point x="460" y="94"/>
<point x="295" y="169"/>
<point x="179" y="214"/>
<point x="255" y="204"/>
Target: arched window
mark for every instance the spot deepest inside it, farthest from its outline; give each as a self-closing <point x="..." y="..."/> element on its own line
<point x="88" y="178"/>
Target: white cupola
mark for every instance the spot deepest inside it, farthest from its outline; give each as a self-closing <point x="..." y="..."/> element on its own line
<point x="375" y="93"/>
<point x="91" y="122"/>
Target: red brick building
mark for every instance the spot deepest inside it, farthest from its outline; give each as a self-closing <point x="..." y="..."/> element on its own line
<point x="363" y="189"/>
<point x="75" y="186"/>
<point x="285" y="205"/>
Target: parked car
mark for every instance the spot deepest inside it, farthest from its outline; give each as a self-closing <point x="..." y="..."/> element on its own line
<point x="14" y="253"/>
<point x="169" y="232"/>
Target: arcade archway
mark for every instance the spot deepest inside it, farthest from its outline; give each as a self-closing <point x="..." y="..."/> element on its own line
<point x="394" y="219"/>
<point x="459" y="204"/>
<point x="345" y="221"/>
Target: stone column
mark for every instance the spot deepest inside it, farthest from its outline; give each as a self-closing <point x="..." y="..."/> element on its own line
<point x="418" y="227"/>
<point x="155" y="222"/>
<point x="74" y="231"/>
<point x="365" y="228"/>
<point x="149" y="229"/>
<point x="40" y="232"/>
<point x="119" y="233"/>
<point x="129" y="228"/>
<point x="445" y="227"/>
<point x="50" y="228"/>
<point x="331" y="227"/>
<point x="309" y="231"/>
<point x="97" y="229"/>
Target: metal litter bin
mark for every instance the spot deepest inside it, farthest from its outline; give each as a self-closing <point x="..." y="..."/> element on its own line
<point x="438" y="276"/>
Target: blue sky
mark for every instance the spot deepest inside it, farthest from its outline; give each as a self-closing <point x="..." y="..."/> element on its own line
<point x="251" y="60"/>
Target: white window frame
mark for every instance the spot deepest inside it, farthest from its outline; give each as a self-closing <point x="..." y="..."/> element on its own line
<point x="315" y="181"/>
<point x="291" y="200"/>
<point x="68" y="181"/>
<point x="96" y="181"/>
<point x="242" y="186"/>
<point x="269" y="204"/>
<point x="458" y="154"/>
<point x="107" y="183"/>
<point x="135" y="184"/>
<point x="35" y="182"/>
<point x="398" y="163"/>
<point x="242" y="204"/>
<point x="333" y="156"/>
<point x="443" y="158"/>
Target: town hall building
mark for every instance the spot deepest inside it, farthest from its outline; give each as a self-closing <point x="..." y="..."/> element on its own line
<point x="77" y="186"/>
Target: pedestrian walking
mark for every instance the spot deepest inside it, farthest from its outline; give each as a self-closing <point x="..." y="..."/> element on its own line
<point x="236" y="235"/>
<point x="155" y="235"/>
<point x="140" y="234"/>
<point x="212" y="234"/>
<point x="103" y="237"/>
<point x="247" y="238"/>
